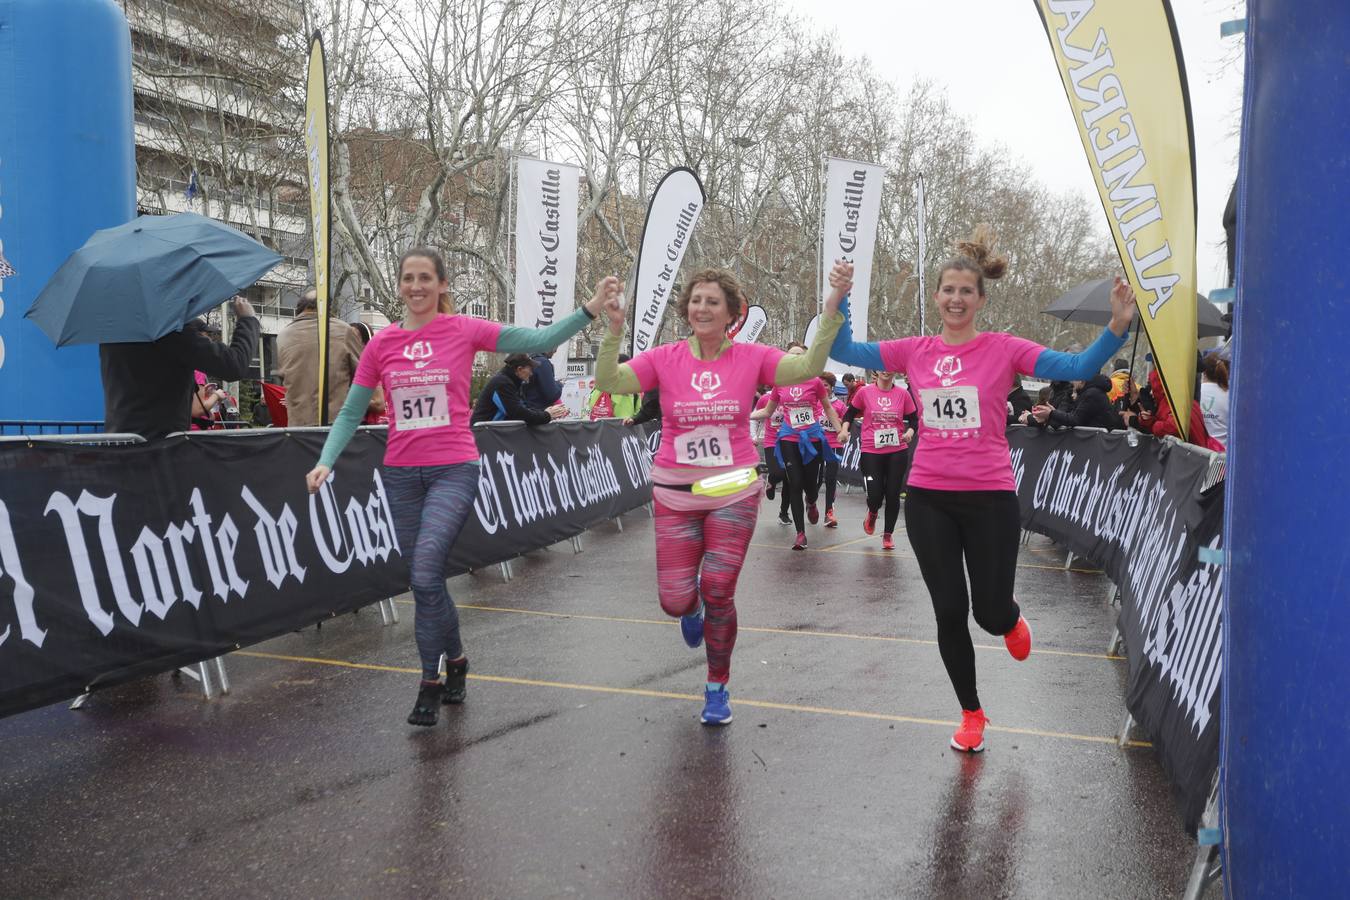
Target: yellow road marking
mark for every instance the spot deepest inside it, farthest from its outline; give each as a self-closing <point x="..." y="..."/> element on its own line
<point x="845" y="543"/>
<point x="890" y="639"/>
<point x="897" y="553"/>
<point x="670" y="695"/>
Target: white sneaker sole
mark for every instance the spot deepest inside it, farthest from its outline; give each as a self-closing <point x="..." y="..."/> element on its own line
<point x="977" y="749"/>
<point x="726" y="721"/>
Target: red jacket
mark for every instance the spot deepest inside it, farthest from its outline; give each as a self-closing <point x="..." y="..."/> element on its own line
<point x="1165" y="422"/>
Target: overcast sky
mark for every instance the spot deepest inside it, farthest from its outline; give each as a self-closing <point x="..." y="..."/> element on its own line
<point x="995" y="62"/>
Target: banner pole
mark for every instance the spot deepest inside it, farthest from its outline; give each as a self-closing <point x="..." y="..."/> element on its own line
<point x="922" y="261"/>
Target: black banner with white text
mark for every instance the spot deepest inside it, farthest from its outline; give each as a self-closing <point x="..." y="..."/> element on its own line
<point x="1139" y="511"/>
<point x="118" y="562"/>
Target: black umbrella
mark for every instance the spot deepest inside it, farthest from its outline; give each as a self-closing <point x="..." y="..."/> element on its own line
<point x="1091" y="303"/>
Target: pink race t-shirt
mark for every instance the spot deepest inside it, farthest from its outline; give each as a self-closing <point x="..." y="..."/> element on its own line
<point x="706" y="405"/>
<point x="963" y="412"/>
<point x="883" y="417"/>
<point x="801" y="404"/>
<point x="831" y="435"/>
<point x="425" y="375"/>
<point x="772" y="423"/>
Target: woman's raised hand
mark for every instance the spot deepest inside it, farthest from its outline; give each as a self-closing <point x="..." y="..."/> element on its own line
<point x="1122" y="307"/>
<point x="316" y="477"/>
<point x="614" y="309"/>
<point x="841" y="282"/>
<point x="605" y="288"/>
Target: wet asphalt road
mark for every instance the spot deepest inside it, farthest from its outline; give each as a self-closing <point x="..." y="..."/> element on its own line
<point x="578" y="767"/>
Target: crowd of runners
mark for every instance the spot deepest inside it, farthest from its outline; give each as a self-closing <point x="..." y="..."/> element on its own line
<point x="959" y="501"/>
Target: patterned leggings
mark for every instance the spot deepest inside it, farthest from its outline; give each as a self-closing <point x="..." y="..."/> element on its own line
<point x="716" y="539"/>
<point x="430" y="505"/>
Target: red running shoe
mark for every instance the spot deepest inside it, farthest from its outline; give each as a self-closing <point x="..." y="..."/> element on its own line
<point x="830" y="520"/>
<point x="970" y="736"/>
<point x="812" y="513"/>
<point x="801" y="541"/>
<point x="887" y="542"/>
<point x="1018" y="640"/>
<point x="870" y="523"/>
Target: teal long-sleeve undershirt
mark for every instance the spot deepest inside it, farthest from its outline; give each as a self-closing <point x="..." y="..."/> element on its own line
<point x="512" y="339"/>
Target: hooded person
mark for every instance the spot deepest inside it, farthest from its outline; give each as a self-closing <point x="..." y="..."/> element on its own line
<point x="1120" y="380"/>
<point x="501" y="400"/>
<point x="1093" y="409"/>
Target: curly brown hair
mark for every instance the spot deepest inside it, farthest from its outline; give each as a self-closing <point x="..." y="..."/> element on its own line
<point x="723" y="278"/>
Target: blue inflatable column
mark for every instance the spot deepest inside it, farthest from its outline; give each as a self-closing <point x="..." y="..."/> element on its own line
<point x="67" y="169"/>
<point x="1286" y="690"/>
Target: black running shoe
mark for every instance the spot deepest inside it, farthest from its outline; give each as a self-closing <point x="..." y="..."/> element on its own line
<point x="456" y="676"/>
<point x="427" y="708"/>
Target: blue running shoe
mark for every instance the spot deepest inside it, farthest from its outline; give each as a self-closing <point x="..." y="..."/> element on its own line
<point x="716" y="707"/>
<point x="691" y="627"/>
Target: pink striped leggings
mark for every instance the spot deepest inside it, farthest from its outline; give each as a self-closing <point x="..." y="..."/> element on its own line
<point x="716" y="540"/>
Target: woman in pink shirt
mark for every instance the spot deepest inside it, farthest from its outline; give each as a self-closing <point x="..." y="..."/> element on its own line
<point x="888" y="423"/>
<point x="961" y="509"/>
<point x="838" y="439"/>
<point x="803" y="446"/>
<point x="430" y="474"/>
<point x="706" y="487"/>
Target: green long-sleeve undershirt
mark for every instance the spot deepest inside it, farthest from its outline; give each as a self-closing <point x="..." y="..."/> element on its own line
<point x="617" y="378"/>
<point x="511" y="339"/>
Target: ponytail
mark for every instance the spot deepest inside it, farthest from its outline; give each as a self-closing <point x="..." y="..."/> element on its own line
<point x="976" y="254"/>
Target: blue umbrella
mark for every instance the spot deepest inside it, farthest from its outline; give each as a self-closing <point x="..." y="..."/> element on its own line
<point x="147" y="278"/>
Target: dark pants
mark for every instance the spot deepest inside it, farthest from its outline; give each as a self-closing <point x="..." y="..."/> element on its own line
<point x="430" y="505"/>
<point x="829" y="473"/>
<point x="884" y="476"/>
<point x="955" y="533"/>
<point x="803" y="480"/>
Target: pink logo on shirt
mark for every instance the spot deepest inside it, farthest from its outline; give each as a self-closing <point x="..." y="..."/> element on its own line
<point x="708" y="384"/>
<point x="948" y="367"/>
<point x="419" y="353"/>
<point x="883" y="401"/>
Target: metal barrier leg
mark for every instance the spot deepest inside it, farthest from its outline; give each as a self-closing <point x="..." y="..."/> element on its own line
<point x="220" y="673"/>
<point x="1208" y="866"/>
<point x="1068" y="563"/>
<point x="618" y="520"/>
<point x="506" y="571"/>
<point x="78" y="702"/>
<point x="576" y="544"/>
<point x="1026" y="537"/>
<point x="1117" y="641"/>
<point x="199" y="674"/>
<point x="384" y="614"/>
<point x="651" y="510"/>
<point x="393" y="609"/>
<point x="1123" y="737"/>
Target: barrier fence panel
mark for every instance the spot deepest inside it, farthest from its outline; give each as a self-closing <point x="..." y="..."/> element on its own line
<point x="1140" y="509"/>
<point x="125" y="561"/>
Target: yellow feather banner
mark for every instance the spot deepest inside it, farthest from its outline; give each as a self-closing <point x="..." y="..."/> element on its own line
<point x="316" y="153"/>
<point x="1121" y="64"/>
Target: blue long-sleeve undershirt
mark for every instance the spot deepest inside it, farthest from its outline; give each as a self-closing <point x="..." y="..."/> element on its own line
<point x="1054" y="365"/>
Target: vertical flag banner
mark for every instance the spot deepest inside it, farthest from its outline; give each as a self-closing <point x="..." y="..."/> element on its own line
<point x="751" y="326"/>
<point x="849" y="233"/>
<point x="1120" y="62"/>
<point x="546" y="245"/>
<point x="671" y="217"/>
<point x="316" y="153"/>
<point x="921" y="210"/>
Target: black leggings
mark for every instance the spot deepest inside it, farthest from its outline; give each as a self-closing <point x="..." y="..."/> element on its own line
<point x="829" y="474"/>
<point x="803" y="479"/>
<point x="884" y="476"/>
<point x="980" y="530"/>
<point x="776" y="478"/>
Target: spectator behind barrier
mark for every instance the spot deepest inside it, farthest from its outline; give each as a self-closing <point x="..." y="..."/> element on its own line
<point x="376" y="413"/>
<point x="604" y="405"/>
<point x="501" y="400"/>
<point x="542" y="390"/>
<point x="298" y="362"/>
<point x="1214" y="396"/>
<point x="1163" y="422"/>
<point x="1093" y="409"/>
<point x="148" y="386"/>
